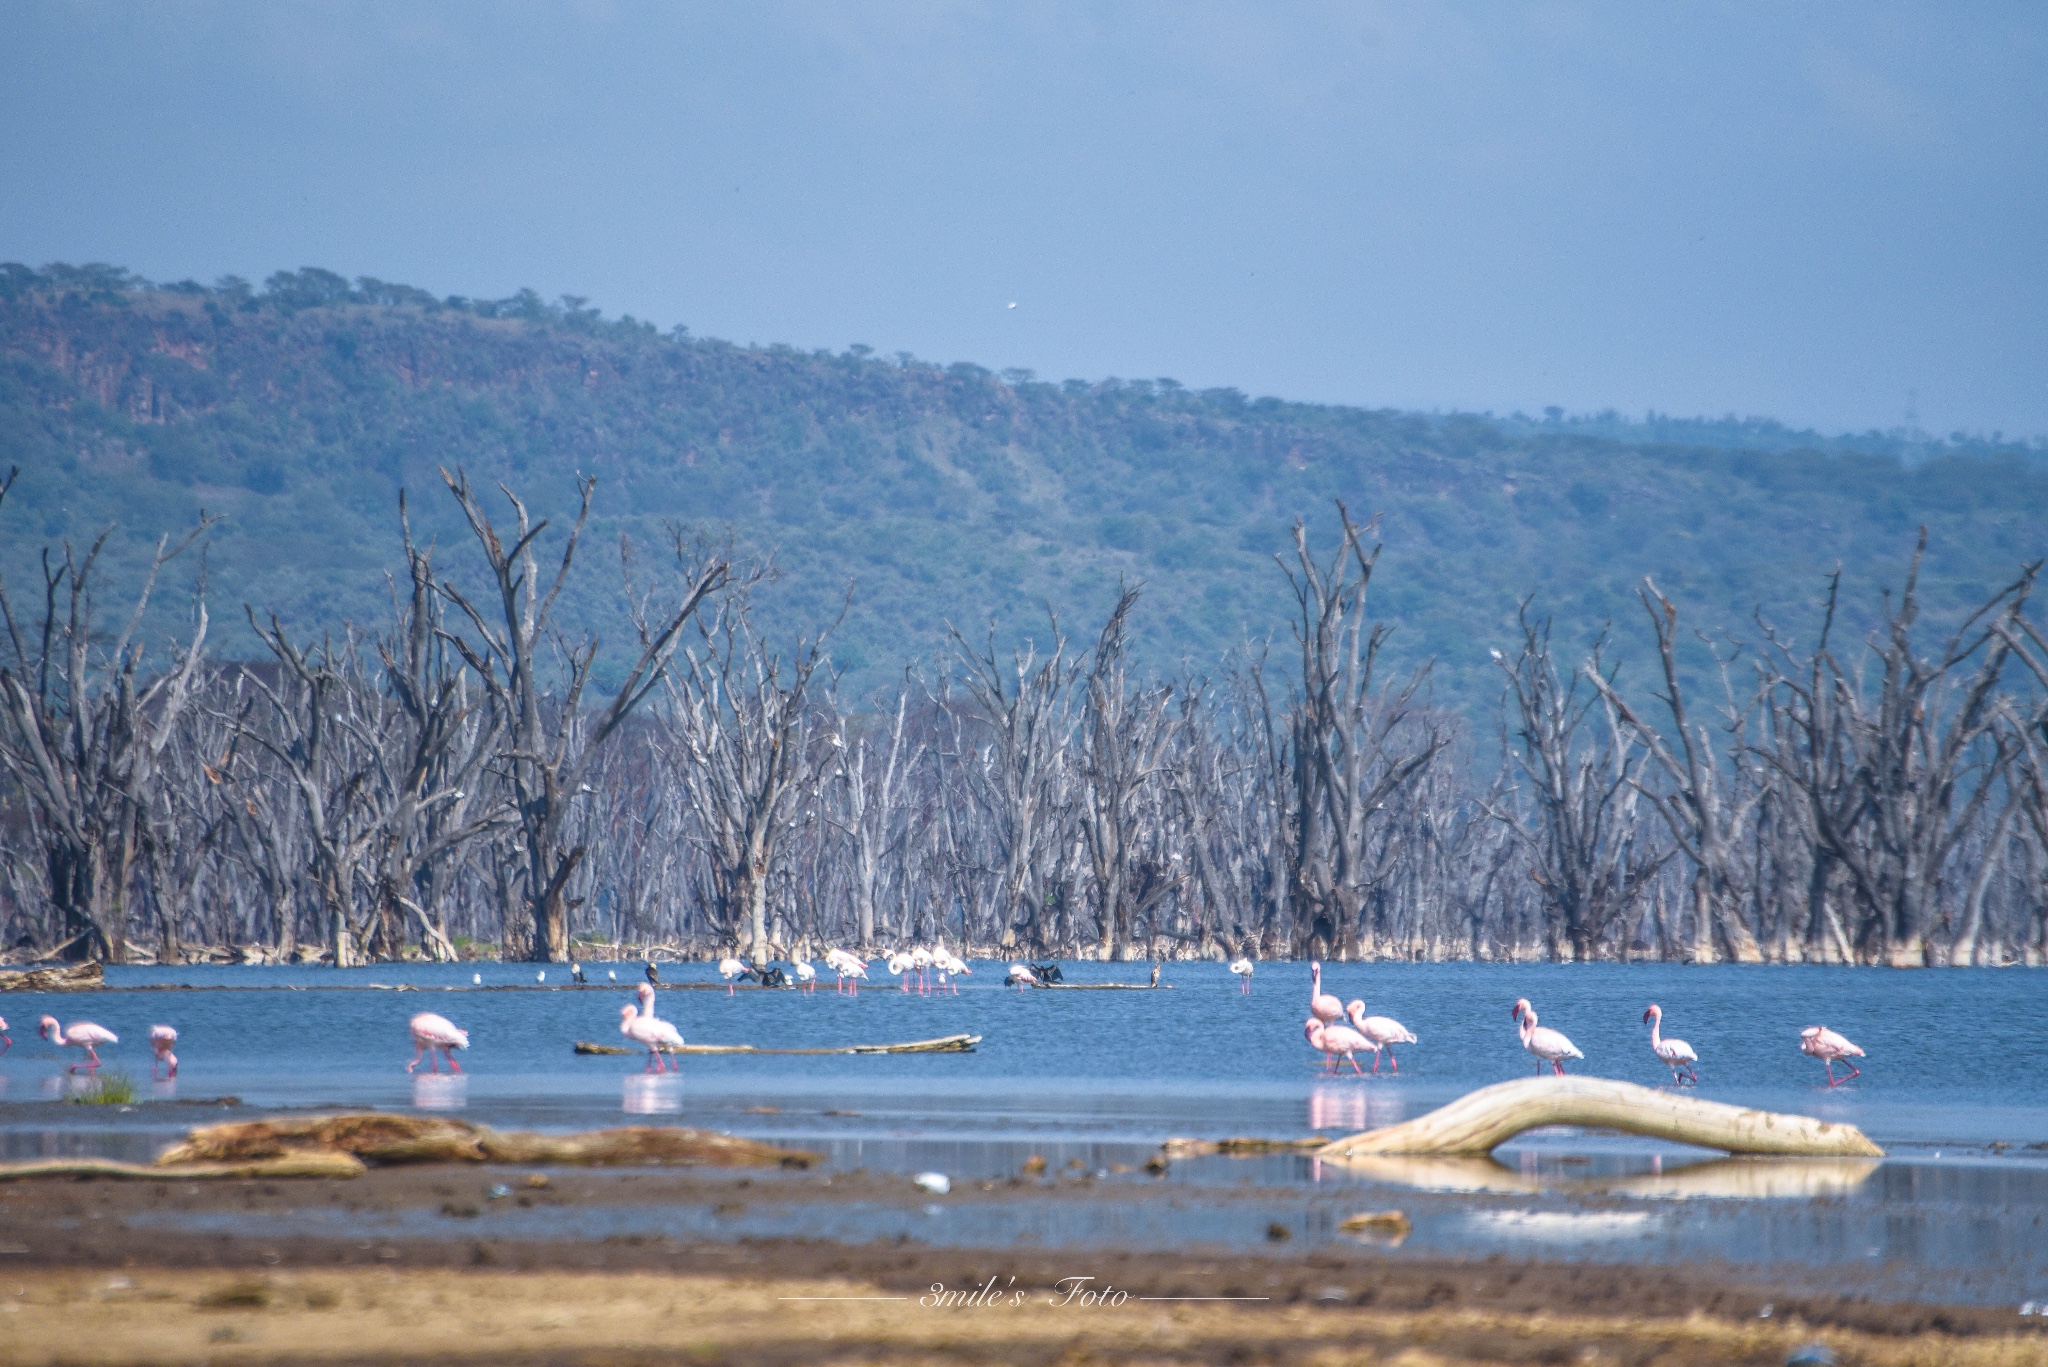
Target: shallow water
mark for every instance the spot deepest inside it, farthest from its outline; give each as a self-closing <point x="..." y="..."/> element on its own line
<point x="1092" y="1081"/>
<point x="1953" y="1055"/>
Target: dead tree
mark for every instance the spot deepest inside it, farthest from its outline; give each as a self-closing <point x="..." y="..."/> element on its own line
<point x="1706" y="816"/>
<point x="1125" y="732"/>
<point x="1351" y="749"/>
<point x="871" y="812"/>
<point x="749" y="752"/>
<point x="430" y="795"/>
<point x="82" y="731"/>
<point x="550" y="746"/>
<point x="1918" y="762"/>
<point x="1580" y="827"/>
<point x="1025" y="704"/>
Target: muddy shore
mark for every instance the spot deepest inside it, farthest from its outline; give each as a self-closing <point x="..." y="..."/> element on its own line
<point x="258" y="1284"/>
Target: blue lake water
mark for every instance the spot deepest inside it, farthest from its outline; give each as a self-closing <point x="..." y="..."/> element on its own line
<point x="1954" y="1056"/>
<point x="1093" y="1081"/>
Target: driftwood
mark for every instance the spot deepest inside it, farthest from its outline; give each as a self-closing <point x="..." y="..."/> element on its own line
<point x="381" y="1138"/>
<point x="310" y="1163"/>
<point x="945" y="1044"/>
<point x="71" y="978"/>
<point x="1195" y="1148"/>
<point x="1103" y="987"/>
<point x="1483" y="1120"/>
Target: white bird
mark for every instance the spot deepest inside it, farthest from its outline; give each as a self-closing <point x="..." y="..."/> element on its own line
<point x="806" y="976"/>
<point x="612" y="974"/>
<point x="921" y="960"/>
<point x="1675" y="1052"/>
<point x="645" y="1028"/>
<point x="1333" y="1040"/>
<point x="476" y="979"/>
<point x="846" y="966"/>
<point x="1384" y="1031"/>
<point x="1013" y="303"/>
<point x="1821" y="1042"/>
<point x="728" y="969"/>
<point x="1321" y="1004"/>
<point x="1022" y="976"/>
<point x="161" y="1038"/>
<point x="1548" y="1045"/>
<point x="82" y="1035"/>
<point x="541" y="976"/>
<point x="1242" y="967"/>
<point x="899" y="966"/>
<point x="431" y="1032"/>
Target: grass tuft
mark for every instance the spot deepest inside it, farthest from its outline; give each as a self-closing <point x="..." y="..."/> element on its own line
<point x="107" y="1089"/>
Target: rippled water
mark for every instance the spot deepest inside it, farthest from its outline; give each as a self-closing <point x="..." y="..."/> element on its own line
<point x="1953" y="1055"/>
<point x="1092" y="1081"/>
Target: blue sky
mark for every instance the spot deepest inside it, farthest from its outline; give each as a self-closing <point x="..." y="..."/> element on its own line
<point x="1818" y="212"/>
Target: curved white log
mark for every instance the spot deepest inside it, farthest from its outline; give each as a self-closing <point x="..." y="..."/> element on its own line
<point x="1483" y="1120"/>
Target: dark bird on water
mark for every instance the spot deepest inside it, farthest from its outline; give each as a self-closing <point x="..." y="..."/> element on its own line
<point x="653" y="973"/>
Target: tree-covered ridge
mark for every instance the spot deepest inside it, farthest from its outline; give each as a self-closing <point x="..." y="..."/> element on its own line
<point x="299" y="410"/>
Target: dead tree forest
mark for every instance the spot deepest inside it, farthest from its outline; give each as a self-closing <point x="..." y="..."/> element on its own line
<point x="453" y="782"/>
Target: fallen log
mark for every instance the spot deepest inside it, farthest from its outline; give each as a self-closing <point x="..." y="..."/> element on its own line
<point x="944" y="1044"/>
<point x="381" y="1138"/>
<point x="1195" y="1148"/>
<point x="307" y="1164"/>
<point x="1483" y="1120"/>
<point x="69" y="978"/>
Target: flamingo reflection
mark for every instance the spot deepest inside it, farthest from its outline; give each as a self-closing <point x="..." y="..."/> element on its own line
<point x="651" y="1094"/>
<point x="440" y="1091"/>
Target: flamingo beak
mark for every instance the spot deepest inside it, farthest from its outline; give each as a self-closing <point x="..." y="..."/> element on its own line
<point x="1648" y="1014"/>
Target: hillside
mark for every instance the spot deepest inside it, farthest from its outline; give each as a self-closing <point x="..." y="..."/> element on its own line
<point x="941" y="492"/>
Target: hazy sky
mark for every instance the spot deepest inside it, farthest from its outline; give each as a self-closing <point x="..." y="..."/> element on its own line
<point x="1814" y="211"/>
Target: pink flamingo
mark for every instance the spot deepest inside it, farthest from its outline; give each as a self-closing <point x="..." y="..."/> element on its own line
<point x="1336" y="1039"/>
<point x="431" y="1032"/>
<point x="643" y="1027"/>
<point x="1675" y="1052"/>
<point x="728" y="969"/>
<point x="1321" y="1004"/>
<point x="161" y="1038"/>
<point x="1384" y="1031"/>
<point x="850" y="968"/>
<point x="79" y="1035"/>
<point x="6" y="1040"/>
<point x="900" y="965"/>
<point x="1021" y="977"/>
<point x="806" y="977"/>
<point x="1548" y="1045"/>
<point x="1242" y="967"/>
<point x="1827" y="1046"/>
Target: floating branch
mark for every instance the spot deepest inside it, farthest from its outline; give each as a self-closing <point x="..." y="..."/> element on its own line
<point x="379" y="1138"/>
<point x="73" y="978"/>
<point x="945" y="1044"/>
<point x="1483" y="1120"/>
<point x="312" y="1163"/>
<point x="1195" y="1148"/>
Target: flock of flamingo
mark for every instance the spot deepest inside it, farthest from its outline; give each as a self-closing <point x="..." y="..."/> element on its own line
<point x="1334" y="1029"/>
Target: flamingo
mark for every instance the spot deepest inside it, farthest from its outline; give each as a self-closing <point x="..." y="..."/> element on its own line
<point x="161" y="1038"/>
<point x="6" y="1040"/>
<point x="1675" y="1052"/>
<point x="1242" y="967"/>
<point x="1827" y="1046"/>
<point x="1021" y="976"/>
<point x="79" y="1035"/>
<point x="1321" y="1004"/>
<point x="921" y="960"/>
<point x="950" y="966"/>
<point x="1336" y="1039"/>
<point x="1548" y="1045"/>
<point x="643" y="1027"/>
<point x="806" y="976"/>
<point x="848" y="967"/>
<point x="728" y="969"/>
<point x="1384" y="1031"/>
<point x="431" y="1032"/>
<point x="900" y="965"/>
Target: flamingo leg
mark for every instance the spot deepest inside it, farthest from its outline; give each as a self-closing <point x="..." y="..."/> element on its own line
<point x="1557" y="1066"/>
<point x="1829" y="1064"/>
<point x="1393" y="1059"/>
<point x="1353" y="1061"/>
<point x="417" y="1052"/>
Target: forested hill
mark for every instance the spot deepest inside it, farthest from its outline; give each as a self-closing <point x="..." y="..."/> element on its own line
<point x="298" y="411"/>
